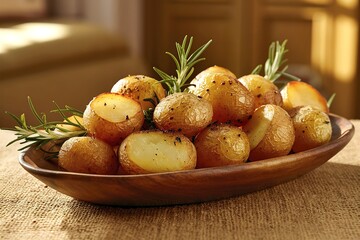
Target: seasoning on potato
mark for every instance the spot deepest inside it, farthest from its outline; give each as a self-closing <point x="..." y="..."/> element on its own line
<point x="220" y="145"/>
<point x="230" y="100"/>
<point x="184" y="113"/>
<point x="156" y="151"/>
<point x="140" y="88"/>
<point x="111" y="117"/>
<point x="271" y="132"/>
<point x="312" y="128"/>
<point x="88" y="155"/>
<point x="264" y="90"/>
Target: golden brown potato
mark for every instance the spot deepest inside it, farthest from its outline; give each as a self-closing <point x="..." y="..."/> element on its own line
<point x="230" y="100"/>
<point x="270" y="132"/>
<point x="215" y="69"/>
<point x="140" y="87"/>
<point x="156" y="151"/>
<point x="183" y="112"/>
<point x="88" y="155"/>
<point x="220" y="145"/>
<point x="111" y="117"/>
<point x="264" y="91"/>
<point x="297" y="94"/>
<point x="312" y="128"/>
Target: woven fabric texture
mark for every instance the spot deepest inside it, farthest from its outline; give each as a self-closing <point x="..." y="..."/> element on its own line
<point x="323" y="204"/>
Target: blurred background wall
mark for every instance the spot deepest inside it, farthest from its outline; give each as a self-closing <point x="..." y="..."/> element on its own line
<point x="120" y="16"/>
<point x="323" y="35"/>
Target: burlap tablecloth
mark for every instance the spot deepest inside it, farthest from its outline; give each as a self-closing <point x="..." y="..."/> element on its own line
<point x="323" y="204"/>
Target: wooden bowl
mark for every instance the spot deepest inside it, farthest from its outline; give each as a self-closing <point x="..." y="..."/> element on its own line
<point x="190" y="186"/>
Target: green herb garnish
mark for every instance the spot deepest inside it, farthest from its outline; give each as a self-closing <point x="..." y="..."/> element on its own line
<point x="46" y="131"/>
<point x="184" y="65"/>
<point x="274" y="62"/>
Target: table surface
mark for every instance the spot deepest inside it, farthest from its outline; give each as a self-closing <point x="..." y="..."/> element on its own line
<point x="323" y="204"/>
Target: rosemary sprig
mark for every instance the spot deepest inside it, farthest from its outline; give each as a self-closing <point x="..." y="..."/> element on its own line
<point x="46" y="131"/>
<point x="274" y="62"/>
<point x="330" y="100"/>
<point x="184" y="65"/>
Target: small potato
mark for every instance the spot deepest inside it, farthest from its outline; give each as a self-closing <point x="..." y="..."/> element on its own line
<point x="215" y="69"/>
<point x="220" y="145"/>
<point x="264" y="91"/>
<point x="312" y="128"/>
<point x="111" y="117"/>
<point x="230" y="100"/>
<point x="270" y="131"/>
<point x="156" y="151"/>
<point x="297" y="94"/>
<point x="88" y="155"/>
<point x="183" y="112"/>
<point x="140" y="87"/>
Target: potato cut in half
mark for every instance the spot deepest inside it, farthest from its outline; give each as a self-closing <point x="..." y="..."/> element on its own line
<point x="220" y="145"/>
<point x="111" y="117"/>
<point x="184" y="113"/>
<point x="140" y="88"/>
<point x="297" y="94"/>
<point x="270" y="132"/>
<point x="156" y="151"/>
<point x="312" y="128"/>
<point x="264" y="91"/>
<point x="88" y="155"/>
<point x="230" y="100"/>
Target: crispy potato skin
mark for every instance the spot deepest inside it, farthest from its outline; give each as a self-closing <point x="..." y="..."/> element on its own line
<point x="88" y="155"/>
<point x="112" y="132"/>
<point x="155" y="151"/>
<point x="312" y="128"/>
<point x="230" y="100"/>
<point x="184" y="113"/>
<point x="216" y="69"/>
<point x="279" y="136"/>
<point x="220" y="145"/>
<point x="140" y="87"/>
<point x="264" y="91"/>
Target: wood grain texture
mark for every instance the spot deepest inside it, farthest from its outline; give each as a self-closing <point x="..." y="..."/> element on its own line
<point x="191" y="186"/>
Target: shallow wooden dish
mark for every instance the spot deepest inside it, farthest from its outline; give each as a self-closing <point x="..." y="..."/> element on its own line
<point x="191" y="186"/>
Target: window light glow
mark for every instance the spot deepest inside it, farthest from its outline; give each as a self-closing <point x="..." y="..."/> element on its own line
<point x="30" y="33"/>
<point x="346" y="48"/>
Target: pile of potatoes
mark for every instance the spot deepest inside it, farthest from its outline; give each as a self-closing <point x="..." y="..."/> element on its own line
<point x="220" y="120"/>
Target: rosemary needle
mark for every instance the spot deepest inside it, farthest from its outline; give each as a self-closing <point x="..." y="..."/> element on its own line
<point x="274" y="62"/>
<point x="46" y="131"/>
<point x="184" y="65"/>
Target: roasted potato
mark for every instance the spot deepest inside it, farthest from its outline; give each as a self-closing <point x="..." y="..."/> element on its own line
<point x="230" y="100"/>
<point x="215" y="69"/>
<point x="156" y="151"/>
<point x="270" y="132"/>
<point x="111" y="117"/>
<point x="88" y="155"/>
<point x="297" y="94"/>
<point x="221" y="144"/>
<point x="264" y="91"/>
<point x="183" y="112"/>
<point x="140" y="87"/>
<point x="312" y="128"/>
